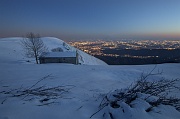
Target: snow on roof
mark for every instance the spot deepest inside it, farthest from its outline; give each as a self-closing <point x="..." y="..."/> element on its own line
<point x="59" y="54"/>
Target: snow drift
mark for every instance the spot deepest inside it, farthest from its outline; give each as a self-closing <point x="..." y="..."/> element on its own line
<point x="31" y="91"/>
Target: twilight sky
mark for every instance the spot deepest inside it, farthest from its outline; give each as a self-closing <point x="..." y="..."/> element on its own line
<point x="91" y="19"/>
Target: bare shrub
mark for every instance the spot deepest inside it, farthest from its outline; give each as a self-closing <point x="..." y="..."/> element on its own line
<point x="153" y="92"/>
<point x="43" y="93"/>
<point x="33" y="46"/>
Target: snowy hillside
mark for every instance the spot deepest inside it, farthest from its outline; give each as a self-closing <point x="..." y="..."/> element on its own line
<point x="10" y="47"/>
<point x="84" y="58"/>
<point x="51" y="91"/>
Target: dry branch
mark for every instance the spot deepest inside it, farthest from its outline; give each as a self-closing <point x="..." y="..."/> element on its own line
<point x="159" y="89"/>
<point x="44" y="93"/>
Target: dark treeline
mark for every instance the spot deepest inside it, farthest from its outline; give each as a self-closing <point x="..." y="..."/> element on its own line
<point x="142" y="56"/>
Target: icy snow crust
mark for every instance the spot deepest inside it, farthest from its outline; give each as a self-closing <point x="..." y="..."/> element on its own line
<point x="90" y="84"/>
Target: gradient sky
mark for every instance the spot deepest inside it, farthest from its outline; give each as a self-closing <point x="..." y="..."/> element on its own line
<point x="91" y="19"/>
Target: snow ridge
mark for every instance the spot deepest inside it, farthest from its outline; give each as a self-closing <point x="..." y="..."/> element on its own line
<point x="14" y="52"/>
<point x="85" y="86"/>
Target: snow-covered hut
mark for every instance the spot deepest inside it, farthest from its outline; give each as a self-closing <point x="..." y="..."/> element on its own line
<point x="59" y="57"/>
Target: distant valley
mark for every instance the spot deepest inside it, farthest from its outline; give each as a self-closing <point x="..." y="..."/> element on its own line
<point x="132" y="52"/>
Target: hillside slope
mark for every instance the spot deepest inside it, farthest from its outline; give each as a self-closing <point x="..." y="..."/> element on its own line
<point x="51" y="91"/>
<point x="87" y="86"/>
<point x="11" y="47"/>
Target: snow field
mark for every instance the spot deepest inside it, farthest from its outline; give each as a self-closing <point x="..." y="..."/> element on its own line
<point x="90" y="83"/>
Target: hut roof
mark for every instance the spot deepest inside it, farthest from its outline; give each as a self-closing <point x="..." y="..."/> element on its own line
<point x="58" y="54"/>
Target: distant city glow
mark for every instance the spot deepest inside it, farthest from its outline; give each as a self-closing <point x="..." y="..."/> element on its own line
<point x="96" y="47"/>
